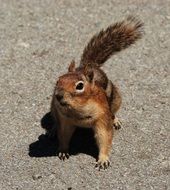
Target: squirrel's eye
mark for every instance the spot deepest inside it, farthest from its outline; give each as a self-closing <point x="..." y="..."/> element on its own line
<point x="80" y="86"/>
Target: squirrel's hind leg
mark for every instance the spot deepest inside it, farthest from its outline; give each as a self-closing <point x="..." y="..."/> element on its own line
<point x="115" y="100"/>
<point x="116" y="123"/>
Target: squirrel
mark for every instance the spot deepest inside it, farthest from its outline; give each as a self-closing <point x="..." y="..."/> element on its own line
<point x="85" y="97"/>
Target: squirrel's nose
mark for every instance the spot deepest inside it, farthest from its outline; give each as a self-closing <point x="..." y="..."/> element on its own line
<point x="59" y="97"/>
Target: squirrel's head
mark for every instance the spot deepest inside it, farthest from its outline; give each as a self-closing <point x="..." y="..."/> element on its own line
<point x="74" y="88"/>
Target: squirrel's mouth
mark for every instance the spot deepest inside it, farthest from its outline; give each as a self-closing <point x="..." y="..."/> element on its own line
<point x="63" y="103"/>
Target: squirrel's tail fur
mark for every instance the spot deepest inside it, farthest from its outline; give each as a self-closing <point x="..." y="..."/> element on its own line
<point x="114" y="39"/>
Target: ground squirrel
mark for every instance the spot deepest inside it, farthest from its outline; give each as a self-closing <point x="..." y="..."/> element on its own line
<point x="85" y="97"/>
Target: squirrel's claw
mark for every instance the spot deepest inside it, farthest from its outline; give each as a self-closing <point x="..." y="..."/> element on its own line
<point x="63" y="155"/>
<point x="117" y="123"/>
<point x="102" y="164"/>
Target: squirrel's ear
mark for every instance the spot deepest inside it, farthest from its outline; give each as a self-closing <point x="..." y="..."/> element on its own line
<point x="89" y="74"/>
<point x="71" y="67"/>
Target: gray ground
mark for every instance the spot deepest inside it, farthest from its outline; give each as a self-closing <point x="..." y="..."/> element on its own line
<point x="38" y="39"/>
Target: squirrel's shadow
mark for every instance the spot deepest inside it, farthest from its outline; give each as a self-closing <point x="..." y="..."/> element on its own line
<point x="82" y="142"/>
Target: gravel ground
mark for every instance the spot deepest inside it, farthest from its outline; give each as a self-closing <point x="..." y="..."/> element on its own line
<point x="38" y="39"/>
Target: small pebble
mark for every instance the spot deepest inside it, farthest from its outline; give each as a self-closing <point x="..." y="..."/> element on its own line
<point x="36" y="177"/>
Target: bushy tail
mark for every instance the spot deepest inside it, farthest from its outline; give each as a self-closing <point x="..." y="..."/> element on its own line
<point x="114" y="39"/>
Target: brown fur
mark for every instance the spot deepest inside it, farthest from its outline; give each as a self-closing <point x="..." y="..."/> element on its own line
<point x="115" y="38"/>
<point x="85" y="97"/>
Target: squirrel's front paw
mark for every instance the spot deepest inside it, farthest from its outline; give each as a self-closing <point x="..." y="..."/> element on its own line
<point x="63" y="155"/>
<point x="103" y="163"/>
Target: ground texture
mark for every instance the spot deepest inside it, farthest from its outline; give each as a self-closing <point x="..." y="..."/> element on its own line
<point x="38" y="39"/>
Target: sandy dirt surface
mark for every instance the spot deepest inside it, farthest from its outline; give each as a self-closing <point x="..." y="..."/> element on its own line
<point x="38" y="39"/>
